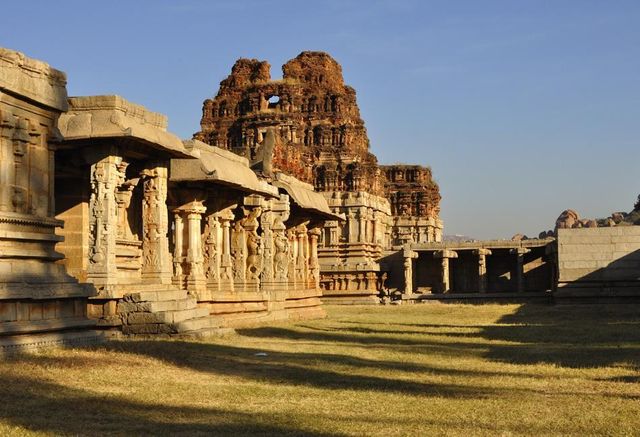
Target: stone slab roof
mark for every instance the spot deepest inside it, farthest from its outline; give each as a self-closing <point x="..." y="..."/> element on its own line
<point x="307" y="199"/>
<point x="32" y="79"/>
<point x="96" y="117"/>
<point x="218" y="166"/>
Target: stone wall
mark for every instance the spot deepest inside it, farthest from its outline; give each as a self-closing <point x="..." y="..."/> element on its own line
<point x="40" y="303"/>
<point x="598" y="262"/>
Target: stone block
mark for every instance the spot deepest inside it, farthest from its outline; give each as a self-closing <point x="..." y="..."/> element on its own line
<point x="580" y="264"/>
<point x="8" y="311"/>
<point x="49" y="310"/>
<point x="35" y="311"/>
<point x="67" y="308"/>
<point x="141" y="329"/>
<point x="626" y="239"/>
<point x="626" y="247"/>
<point x="142" y="318"/>
<point x="127" y="307"/>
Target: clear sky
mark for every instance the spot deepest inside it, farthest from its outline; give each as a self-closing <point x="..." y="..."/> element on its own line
<point x="522" y="108"/>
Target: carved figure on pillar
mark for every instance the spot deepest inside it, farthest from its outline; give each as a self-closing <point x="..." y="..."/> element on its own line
<point x="211" y="245"/>
<point x="281" y="257"/>
<point x="105" y="177"/>
<point x="238" y="251"/>
<point x="226" y="260"/>
<point x="155" y="243"/>
<point x="254" y="243"/>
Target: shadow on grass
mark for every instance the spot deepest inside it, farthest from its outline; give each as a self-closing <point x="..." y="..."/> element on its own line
<point x="350" y="336"/>
<point x="44" y="406"/>
<point x="579" y="336"/>
<point x="299" y="369"/>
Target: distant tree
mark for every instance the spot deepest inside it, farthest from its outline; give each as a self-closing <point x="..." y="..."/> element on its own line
<point x="636" y="207"/>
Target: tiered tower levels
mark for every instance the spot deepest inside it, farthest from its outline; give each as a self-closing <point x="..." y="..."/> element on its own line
<point x="322" y="138"/>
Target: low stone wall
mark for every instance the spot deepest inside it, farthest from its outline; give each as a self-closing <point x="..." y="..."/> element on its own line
<point x="598" y="262"/>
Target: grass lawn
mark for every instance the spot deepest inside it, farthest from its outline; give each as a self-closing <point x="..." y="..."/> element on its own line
<point x="427" y="369"/>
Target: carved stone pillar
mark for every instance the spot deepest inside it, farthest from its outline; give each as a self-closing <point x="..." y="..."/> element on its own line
<point x="238" y="252"/>
<point x="282" y="248"/>
<point x="124" y="193"/>
<point x="520" y="252"/>
<point x="362" y="225"/>
<point x="482" y="268"/>
<point x="268" y="249"/>
<point x="314" y="265"/>
<point x="178" y="247"/>
<point x="408" y="255"/>
<point x="253" y="243"/>
<point x="293" y="255"/>
<point x="7" y="166"/>
<point x="302" y="256"/>
<point x="212" y="251"/>
<point x="226" y="268"/>
<point x="445" y="255"/>
<point x="21" y="167"/>
<point x="156" y="259"/>
<point x="375" y="228"/>
<point x="352" y="226"/>
<point x="103" y="224"/>
<point x="196" y="280"/>
<point x="437" y="232"/>
<point x="332" y="225"/>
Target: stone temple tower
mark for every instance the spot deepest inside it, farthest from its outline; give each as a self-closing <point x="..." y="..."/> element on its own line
<point x="320" y="139"/>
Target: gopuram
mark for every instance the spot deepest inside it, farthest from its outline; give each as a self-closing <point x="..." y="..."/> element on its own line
<point x="321" y="139"/>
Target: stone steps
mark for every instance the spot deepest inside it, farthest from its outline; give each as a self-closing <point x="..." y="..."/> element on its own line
<point x="169" y="311"/>
<point x="172" y="305"/>
<point x="157" y="295"/>
<point x="207" y="332"/>
<point x="182" y="315"/>
<point x="204" y="322"/>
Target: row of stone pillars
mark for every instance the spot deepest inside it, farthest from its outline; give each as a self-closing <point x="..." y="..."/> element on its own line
<point x="107" y="174"/>
<point x="445" y="279"/>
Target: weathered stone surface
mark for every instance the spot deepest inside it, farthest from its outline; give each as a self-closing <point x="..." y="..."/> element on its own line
<point x="33" y="79"/>
<point x="36" y="292"/>
<point x="311" y="121"/>
<point x="602" y="261"/>
<point x="320" y="137"/>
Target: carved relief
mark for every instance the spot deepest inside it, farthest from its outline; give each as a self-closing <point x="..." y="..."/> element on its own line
<point x="155" y="242"/>
<point x="254" y="243"/>
<point x="282" y="250"/>
<point x="238" y="251"/>
<point x="105" y="177"/>
<point x="211" y="241"/>
<point x="7" y="166"/>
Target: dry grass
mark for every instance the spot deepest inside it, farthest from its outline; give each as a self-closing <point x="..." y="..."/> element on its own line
<point x="414" y="370"/>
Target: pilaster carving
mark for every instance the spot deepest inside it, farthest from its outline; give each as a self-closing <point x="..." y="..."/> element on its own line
<point x="7" y="165"/>
<point x="212" y="245"/>
<point x="254" y="244"/>
<point x="155" y="242"/>
<point x="238" y="251"/>
<point x="226" y="260"/>
<point x="105" y="178"/>
<point x="282" y="250"/>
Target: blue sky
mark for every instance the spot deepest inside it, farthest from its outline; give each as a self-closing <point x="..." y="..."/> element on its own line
<point x="522" y="108"/>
